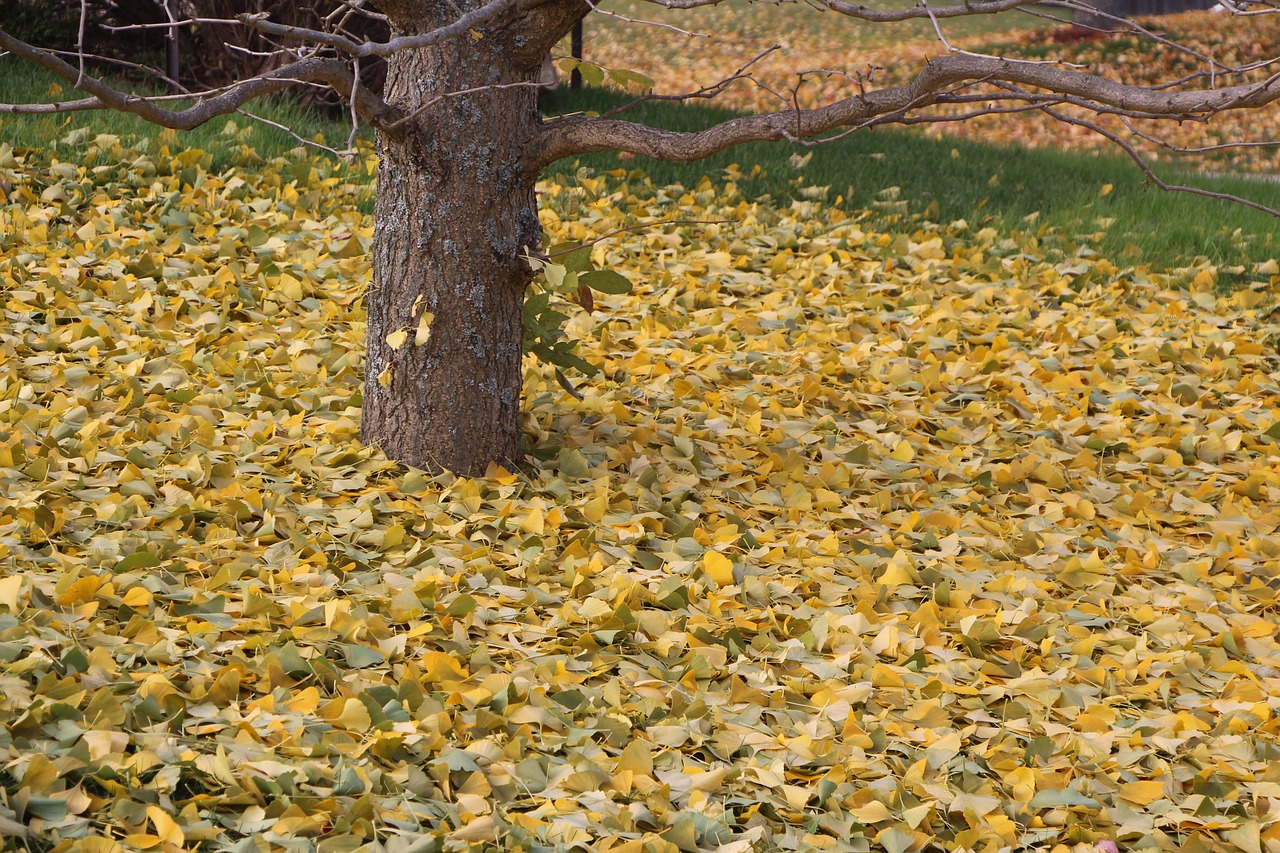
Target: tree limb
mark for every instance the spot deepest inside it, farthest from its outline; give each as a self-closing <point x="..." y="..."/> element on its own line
<point x="882" y="16"/>
<point x="581" y="135"/>
<point x="368" y="48"/>
<point x="332" y="72"/>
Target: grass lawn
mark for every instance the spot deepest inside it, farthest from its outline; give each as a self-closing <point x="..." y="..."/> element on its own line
<point x="1101" y="200"/>
<point x="1063" y="196"/>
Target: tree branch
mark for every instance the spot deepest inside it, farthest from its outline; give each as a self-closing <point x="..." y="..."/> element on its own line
<point x="459" y="27"/>
<point x="332" y="72"/>
<point x="581" y="135"/>
<point x="882" y="16"/>
<point x="1146" y="168"/>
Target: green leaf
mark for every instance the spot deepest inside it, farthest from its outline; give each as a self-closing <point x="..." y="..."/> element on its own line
<point x="606" y="281"/>
<point x="138" y="560"/>
<point x="624" y="77"/>
<point x="1067" y="798"/>
<point x="895" y="840"/>
<point x="572" y="256"/>
<point x="567" y="385"/>
<point x="592" y="74"/>
<point x="563" y="357"/>
<point x="217" y="604"/>
<point x="362" y="656"/>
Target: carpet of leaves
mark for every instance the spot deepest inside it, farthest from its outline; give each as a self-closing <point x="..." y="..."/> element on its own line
<point x="862" y="540"/>
<point x="838" y="58"/>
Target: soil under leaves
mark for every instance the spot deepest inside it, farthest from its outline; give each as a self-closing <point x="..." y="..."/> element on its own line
<point x="861" y="540"/>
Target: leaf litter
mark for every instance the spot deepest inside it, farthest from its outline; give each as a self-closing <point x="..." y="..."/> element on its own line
<point x="863" y="540"/>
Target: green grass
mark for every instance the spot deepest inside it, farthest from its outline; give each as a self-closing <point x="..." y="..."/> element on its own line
<point x="1008" y="188"/>
<point x="985" y="185"/>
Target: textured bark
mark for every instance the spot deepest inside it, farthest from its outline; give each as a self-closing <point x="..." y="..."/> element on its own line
<point x="455" y="217"/>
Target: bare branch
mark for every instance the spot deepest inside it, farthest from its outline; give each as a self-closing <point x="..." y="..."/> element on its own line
<point x="881" y="16"/>
<point x="84" y="19"/>
<point x="1146" y="168"/>
<point x="937" y="29"/>
<point x="332" y="72"/>
<point x="358" y="49"/>
<point x="165" y="25"/>
<point x="1199" y="149"/>
<point x="581" y="135"/>
<point x="348" y="155"/>
<point x="595" y="7"/>
<point x="706" y="92"/>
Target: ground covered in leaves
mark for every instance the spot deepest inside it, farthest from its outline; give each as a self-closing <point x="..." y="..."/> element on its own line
<point x="861" y="540"/>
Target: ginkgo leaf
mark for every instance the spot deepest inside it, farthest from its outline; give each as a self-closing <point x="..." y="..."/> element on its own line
<point x="606" y="281"/>
<point x="166" y="828"/>
<point x="718" y="567"/>
<point x="423" y="332"/>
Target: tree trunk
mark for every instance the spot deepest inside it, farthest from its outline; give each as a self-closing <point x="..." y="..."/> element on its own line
<point x="454" y="219"/>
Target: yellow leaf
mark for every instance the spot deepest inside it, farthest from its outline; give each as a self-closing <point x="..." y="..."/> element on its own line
<point x="305" y="702"/>
<point x="438" y="667"/>
<point x="350" y="714"/>
<point x="138" y="596"/>
<point x="637" y="757"/>
<point x="480" y="829"/>
<point x="594" y="509"/>
<point x="718" y="567"/>
<point x="290" y="287"/>
<point x="902" y="452"/>
<point x="99" y="845"/>
<point x="10" y="589"/>
<point x="1142" y="793"/>
<point x="534" y="521"/>
<point x="166" y="828"/>
<point x="79" y="592"/>
<point x="1106" y="189"/>
<point x="873" y="812"/>
<point x="423" y="333"/>
<point x="396" y="339"/>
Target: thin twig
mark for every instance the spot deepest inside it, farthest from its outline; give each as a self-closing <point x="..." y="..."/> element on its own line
<point x="1204" y="149"/>
<point x="302" y="140"/>
<point x="706" y="92"/>
<point x="355" y="119"/>
<point x="459" y="27"/>
<point x="659" y="24"/>
<point x="84" y="18"/>
<point x="937" y="28"/>
<point x="1146" y="169"/>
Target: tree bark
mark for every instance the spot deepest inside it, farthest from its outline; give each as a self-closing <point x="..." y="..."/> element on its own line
<point x="454" y="219"/>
